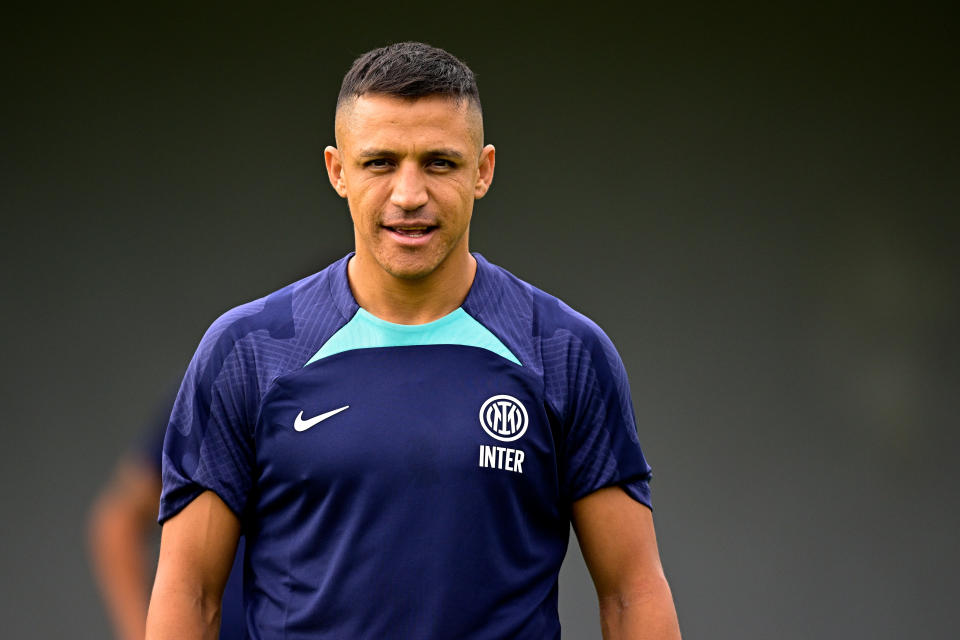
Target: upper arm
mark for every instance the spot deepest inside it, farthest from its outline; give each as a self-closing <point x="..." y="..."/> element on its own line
<point x="587" y="384"/>
<point x="617" y="538"/>
<point x="209" y="442"/>
<point x="197" y="547"/>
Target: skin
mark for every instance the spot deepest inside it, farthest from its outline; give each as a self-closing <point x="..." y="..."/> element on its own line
<point x="619" y="546"/>
<point x="410" y="171"/>
<point x="413" y="166"/>
<point x="197" y="547"/>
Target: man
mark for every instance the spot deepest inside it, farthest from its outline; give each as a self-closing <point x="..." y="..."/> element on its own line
<point x="405" y="436"/>
<point x="122" y="521"/>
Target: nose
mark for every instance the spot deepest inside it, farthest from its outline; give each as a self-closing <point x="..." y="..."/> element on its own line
<point x="409" y="187"/>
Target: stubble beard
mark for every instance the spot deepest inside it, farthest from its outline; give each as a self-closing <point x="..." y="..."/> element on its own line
<point x="416" y="265"/>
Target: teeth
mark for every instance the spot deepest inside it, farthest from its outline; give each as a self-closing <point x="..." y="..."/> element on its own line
<point x="412" y="232"/>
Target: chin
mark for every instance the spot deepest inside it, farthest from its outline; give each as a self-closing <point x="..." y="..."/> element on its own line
<point x="409" y="269"/>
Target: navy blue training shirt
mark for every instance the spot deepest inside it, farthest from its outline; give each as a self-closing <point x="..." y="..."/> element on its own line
<point x="406" y="481"/>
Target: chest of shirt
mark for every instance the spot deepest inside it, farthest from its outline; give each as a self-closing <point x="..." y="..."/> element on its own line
<point x="424" y="416"/>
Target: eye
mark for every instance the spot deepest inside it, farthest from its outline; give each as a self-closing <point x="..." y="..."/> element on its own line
<point x="377" y="163"/>
<point x="441" y="164"/>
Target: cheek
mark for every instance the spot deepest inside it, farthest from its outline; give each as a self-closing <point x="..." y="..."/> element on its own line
<point x="363" y="207"/>
<point x="455" y="197"/>
<point x="365" y="195"/>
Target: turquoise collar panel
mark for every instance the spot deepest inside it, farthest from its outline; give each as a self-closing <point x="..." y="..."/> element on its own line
<point x="366" y="331"/>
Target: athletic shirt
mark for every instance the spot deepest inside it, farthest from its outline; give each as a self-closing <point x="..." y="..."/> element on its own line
<point x="402" y="481"/>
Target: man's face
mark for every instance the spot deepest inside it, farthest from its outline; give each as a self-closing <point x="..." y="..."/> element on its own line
<point x="410" y="171"/>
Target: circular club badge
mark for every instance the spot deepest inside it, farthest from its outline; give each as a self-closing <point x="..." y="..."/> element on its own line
<point x="504" y="418"/>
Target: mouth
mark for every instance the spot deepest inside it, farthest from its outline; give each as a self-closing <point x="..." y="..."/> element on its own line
<point x="411" y="231"/>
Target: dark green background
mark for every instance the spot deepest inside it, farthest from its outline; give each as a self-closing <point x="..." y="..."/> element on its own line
<point x="757" y="204"/>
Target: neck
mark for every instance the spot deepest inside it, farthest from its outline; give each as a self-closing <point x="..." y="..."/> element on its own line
<point x="411" y="301"/>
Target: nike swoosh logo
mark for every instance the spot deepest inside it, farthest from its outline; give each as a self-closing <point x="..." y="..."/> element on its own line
<point x="302" y="425"/>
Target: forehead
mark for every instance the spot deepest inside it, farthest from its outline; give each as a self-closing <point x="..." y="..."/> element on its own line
<point x="382" y="120"/>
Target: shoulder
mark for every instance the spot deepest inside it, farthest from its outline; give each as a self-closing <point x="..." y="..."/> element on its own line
<point x="576" y="352"/>
<point x="546" y="316"/>
<point x="278" y="326"/>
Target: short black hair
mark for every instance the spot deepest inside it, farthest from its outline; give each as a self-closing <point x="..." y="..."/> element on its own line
<point x="409" y="70"/>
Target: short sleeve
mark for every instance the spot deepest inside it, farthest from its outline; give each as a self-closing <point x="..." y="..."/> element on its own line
<point x="601" y="447"/>
<point x="209" y="441"/>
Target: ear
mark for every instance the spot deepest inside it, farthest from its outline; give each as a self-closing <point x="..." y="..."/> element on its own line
<point x="488" y="156"/>
<point x="331" y="157"/>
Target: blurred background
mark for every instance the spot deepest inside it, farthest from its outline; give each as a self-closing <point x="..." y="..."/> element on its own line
<point x="757" y="203"/>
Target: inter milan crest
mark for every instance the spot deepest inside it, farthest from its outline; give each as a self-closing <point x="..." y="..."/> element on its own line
<point x="504" y="418"/>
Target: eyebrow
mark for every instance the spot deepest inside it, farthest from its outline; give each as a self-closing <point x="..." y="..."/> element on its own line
<point x="432" y="153"/>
